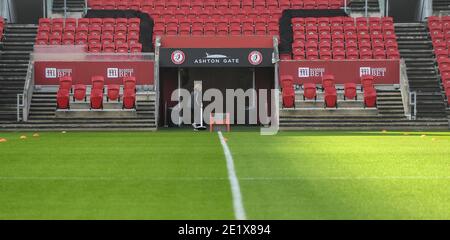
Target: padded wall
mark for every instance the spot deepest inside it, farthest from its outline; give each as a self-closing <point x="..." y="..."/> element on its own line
<point x="286" y="34"/>
<point x="146" y="28"/>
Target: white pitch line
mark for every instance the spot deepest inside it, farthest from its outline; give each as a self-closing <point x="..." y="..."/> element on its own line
<point x="238" y="205"/>
<point x="343" y="178"/>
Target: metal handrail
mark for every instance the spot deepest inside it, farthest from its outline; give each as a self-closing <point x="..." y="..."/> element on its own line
<point x="20" y="104"/>
<point x="404" y="89"/>
<point x="156" y="81"/>
<point x="65" y="8"/>
<point x="413" y="104"/>
<point x="366" y="10"/>
<point x="28" y="89"/>
<point x="85" y="9"/>
<point x="345" y="6"/>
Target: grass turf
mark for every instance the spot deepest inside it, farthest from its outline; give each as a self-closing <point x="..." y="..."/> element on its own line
<point x="182" y="175"/>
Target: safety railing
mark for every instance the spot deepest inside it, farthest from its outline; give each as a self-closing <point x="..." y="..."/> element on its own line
<point x="24" y="106"/>
<point x="409" y="105"/>
<point x="47" y="6"/>
<point x="156" y="72"/>
<point x="20" y="105"/>
<point x="413" y="104"/>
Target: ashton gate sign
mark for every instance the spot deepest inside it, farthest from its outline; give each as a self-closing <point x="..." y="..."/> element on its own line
<point x="216" y="57"/>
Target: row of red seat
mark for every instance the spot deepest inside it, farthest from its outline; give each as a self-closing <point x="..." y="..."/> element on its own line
<point x="98" y="30"/>
<point x="219" y="22"/>
<point x="212" y="31"/>
<point x="112" y="48"/>
<point x="341" y="55"/>
<point x="343" y="21"/>
<point x="108" y="34"/>
<point x="211" y="4"/>
<point x="213" y="14"/>
<point x="329" y="90"/>
<point x="86" y="22"/>
<point x="78" y="91"/>
<point x="340" y="44"/>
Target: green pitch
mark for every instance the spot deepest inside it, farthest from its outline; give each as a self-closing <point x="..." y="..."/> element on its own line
<point x="183" y="175"/>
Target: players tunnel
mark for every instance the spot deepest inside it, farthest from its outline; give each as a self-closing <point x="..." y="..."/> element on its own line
<point x="220" y="63"/>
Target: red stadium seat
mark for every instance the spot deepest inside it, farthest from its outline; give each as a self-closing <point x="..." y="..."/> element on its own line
<point x="98" y="82"/>
<point x="62" y="96"/>
<point x="42" y="40"/>
<point x="324" y="46"/>
<point x="444" y="63"/>
<point x="55" y="40"/>
<point x="367" y="81"/>
<point x="328" y="81"/>
<point x="45" y="22"/>
<point x="311" y="46"/>
<point x="312" y="55"/>
<point x="350" y="91"/>
<point x="338" y="53"/>
<point x="129" y="95"/>
<point x="352" y="54"/>
<point x="79" y="92"/>
<point x="83" y="22"/>
<point x="325" y="55"/>
<point x="365" y="54"/>
<point x="113" y="92"/>
<point x="68" y="39"/>
<point x="309" y="4"/>
<point x="57" y="22"/>
<point x="81" y="39"/>
<point x="129" y="99"/>
<point x="197" y="31"/>
<point x="379" y="54"/>
<point x="136" y="48"/>
<point x="96" y="98"/>
<point x="108" y="22"/>
<point x="109" y="48"/>
<point x="62" y="99"/>
<point x="297" y="4"/>
<point x="309" y="91"/>
<point x="288" y="92"/>
<point x="210" y="31"/>
<point x="107" y="39"/>
<point x="330" y="97"/>
<point x="120" y="39"/>
<point x="370" y="97"/>
<point x="71" y="22"/>
<point x="65" y="83"/>
<point x="129" y="83"/>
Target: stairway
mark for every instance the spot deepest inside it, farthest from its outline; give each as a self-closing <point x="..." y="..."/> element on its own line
<point x="416" y="48"/>
<point x="42" y="118"/>
<point x="441" y="5"/>
<point x="18" y="42"/>
<point x="359" y="6"/>
<point x="72" y="6"/>
<point x="390" y="117"/>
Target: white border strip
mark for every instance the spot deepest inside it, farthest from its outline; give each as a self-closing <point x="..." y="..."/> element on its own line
<point x="238" y="205"/>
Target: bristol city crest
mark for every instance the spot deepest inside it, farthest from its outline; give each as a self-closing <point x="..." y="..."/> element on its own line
<point x="255" y="58"/>
<point x="178" y="57"/>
